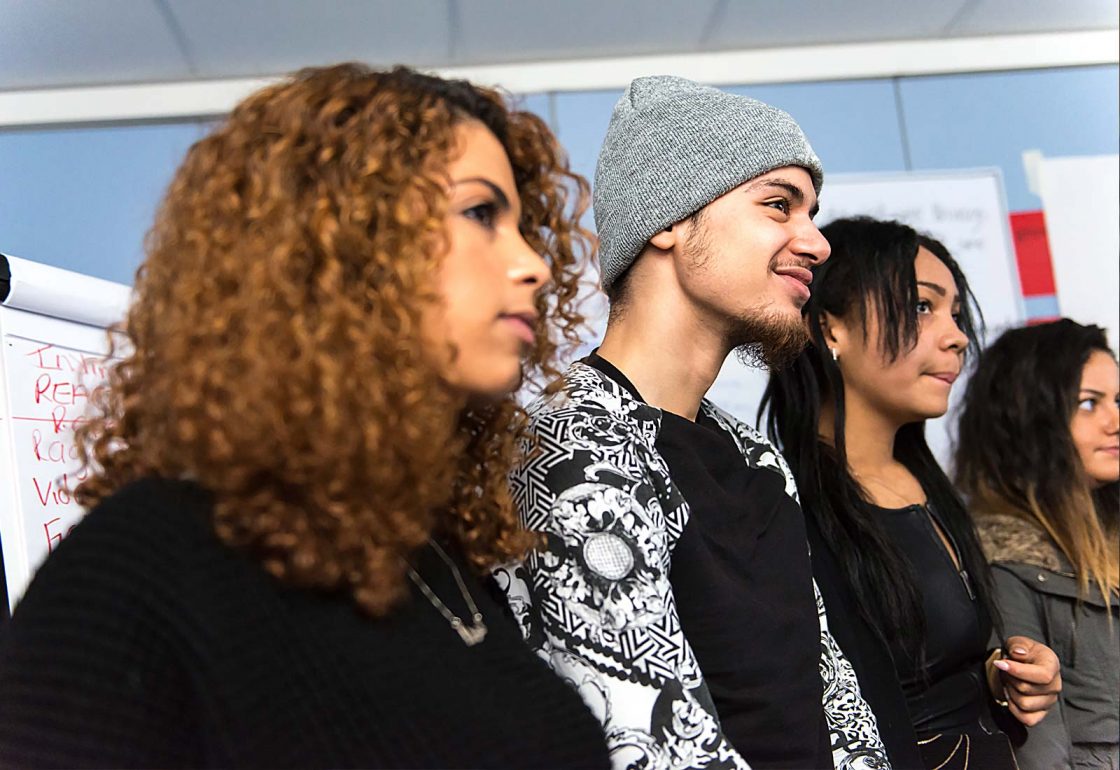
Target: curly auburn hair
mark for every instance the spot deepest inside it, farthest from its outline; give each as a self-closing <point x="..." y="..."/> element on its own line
<point x="276" y="356"/>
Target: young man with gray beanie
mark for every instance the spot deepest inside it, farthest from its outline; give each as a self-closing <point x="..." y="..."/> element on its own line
<point x="675" y="589"/>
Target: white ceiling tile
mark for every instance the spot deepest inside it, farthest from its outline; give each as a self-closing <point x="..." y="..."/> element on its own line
<point x="493" y="31"/>
<point x="45" y="43"/>
<point x="67" y="42"/>
<point x="1006" y="17"/>
<point x="266" y="37"/>
<point x="811" y="22"/>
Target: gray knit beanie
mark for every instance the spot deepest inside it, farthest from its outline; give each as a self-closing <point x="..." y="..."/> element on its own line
<point x="673" y="146"/>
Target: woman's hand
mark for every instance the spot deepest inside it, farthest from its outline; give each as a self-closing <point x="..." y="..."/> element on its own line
<point x="1028" y="680"/>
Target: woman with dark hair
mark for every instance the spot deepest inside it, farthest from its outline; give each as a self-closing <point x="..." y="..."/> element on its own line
<point x="893" y="550"/>
<point x="297" y="474"/>
<point x="1038" y="458"/>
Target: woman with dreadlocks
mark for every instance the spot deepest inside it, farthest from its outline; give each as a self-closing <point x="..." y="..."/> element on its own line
<point x="893" y="549"/>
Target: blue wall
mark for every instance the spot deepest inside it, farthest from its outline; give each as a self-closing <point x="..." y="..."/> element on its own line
<point x="83" y="198"/>
<point x="989" y="119"/>
<point x="852" y="125"/>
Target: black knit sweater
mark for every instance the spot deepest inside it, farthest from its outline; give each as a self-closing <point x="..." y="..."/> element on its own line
<point x="143" y="641"/>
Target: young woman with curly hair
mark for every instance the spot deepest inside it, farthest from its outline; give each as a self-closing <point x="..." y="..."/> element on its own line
<point x="1038" y="457"/>
<point x="893" y="549"/>
<point x="298" y="471"/>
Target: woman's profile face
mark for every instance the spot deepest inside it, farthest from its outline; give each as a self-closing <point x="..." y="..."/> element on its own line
<point x="1095" y="426"/>
<point x="489" y="278"/>
<point x="916" y="385"/>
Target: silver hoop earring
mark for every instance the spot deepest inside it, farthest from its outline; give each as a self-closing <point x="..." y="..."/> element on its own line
<point x="835" y="354"/>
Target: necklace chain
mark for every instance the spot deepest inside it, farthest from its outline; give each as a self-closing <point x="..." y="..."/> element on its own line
<point x="470" y="634"/>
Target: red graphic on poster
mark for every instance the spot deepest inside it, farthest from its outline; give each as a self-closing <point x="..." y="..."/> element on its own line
<point x="1032" y="253"/>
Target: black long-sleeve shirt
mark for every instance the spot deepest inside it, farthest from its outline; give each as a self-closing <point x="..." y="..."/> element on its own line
<point x="144" y="641"/>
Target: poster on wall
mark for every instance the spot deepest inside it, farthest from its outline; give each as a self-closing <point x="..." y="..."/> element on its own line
<point x="1081" y="204"/>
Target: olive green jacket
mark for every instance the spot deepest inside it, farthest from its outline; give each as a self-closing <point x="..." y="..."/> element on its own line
<point x="1037" y="594"/>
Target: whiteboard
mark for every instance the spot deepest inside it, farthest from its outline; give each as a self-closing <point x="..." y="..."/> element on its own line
<point x="53" y="345"/>
<point x="966" y="210"/>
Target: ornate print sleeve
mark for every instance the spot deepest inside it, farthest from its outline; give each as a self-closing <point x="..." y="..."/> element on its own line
<point x="853" y="730"/>
<point x="596" y="602"/>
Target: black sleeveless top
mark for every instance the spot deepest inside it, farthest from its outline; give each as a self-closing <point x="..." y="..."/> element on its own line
<point x="946" y="691"/>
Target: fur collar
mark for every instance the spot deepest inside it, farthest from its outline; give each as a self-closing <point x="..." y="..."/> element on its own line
<point x="1008" y="538"/>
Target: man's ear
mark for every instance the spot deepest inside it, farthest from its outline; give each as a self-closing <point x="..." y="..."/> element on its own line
<point x="665" y="240"/>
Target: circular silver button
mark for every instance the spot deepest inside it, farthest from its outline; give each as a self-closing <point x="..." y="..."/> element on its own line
<point x="608" y="555"/>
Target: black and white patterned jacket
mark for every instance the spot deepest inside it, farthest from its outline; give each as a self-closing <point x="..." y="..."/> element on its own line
<point x="597" y="603"/>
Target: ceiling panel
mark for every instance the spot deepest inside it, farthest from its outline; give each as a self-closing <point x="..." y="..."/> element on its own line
<point x="809" y="22"/>
<point x="493" y="31"/>
<point x="45" y="43"/>
<point x="76" y="42"/>
<point x="1006" y="17"/>
<point x="266" y="37"/>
